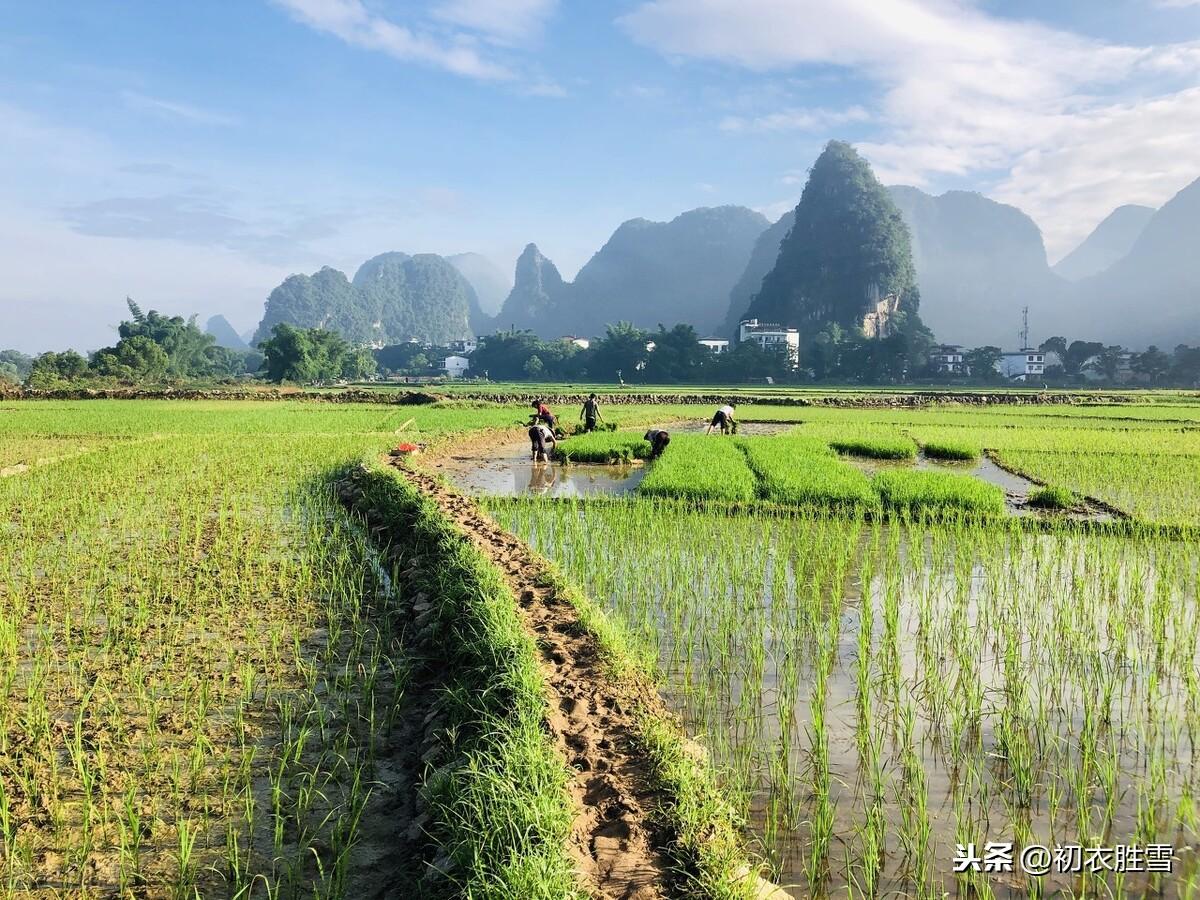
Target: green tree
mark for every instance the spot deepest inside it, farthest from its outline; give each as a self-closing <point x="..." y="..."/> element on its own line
<point x="136" y="358"/>
<point x="982" y="361"/>
<point x="1078" y="354"/>
<point x="186" y="346"/>
<point x="358" y="364"/>
<point x="622" y="349"/>
<point x="1152" y="364"/>
<point x="1185" y="366"/>
<point x="305" y="355"/>
<point x="678" y="356"/>
<point x="19" y="362"/>
<point x="1107" y="363"/>
<point x="54" y="370"/>
<point x="534" y="368"/>
<point x="1056" y="344"/>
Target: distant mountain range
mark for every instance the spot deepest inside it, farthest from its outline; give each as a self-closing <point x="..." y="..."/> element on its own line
<point x="1152" y="294"/>
<point x="647" y="273"/>
<point x="1134" y="280"/>
<point x="1108" y="244"/>
<point x="226" y="335"/>
<point x="393" y="298"/>
<point x="491" y="285"/>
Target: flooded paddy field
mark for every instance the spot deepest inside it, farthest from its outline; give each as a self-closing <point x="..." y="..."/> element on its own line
<point x="877" y="694"/>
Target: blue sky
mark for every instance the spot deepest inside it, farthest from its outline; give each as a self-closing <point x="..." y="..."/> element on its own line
<point x="192" y="155"/>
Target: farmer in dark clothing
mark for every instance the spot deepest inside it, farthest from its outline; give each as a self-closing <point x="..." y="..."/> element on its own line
<point x="541" y="413"/>
<point x="541" y="440"/>
<point x="723" y="419"/>
<point x="590" y="413"/>
<point x="658" y="440"/>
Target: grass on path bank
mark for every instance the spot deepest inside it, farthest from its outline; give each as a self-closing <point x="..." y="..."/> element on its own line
<point x="496" y="788"/>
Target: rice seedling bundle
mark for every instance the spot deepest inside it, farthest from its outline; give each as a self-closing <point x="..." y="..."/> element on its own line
<point x="700" y="467"/>
<point x="881" y="447"/>
<point x="799" y="470"/>
<point x="951" y="450"/>
<point x="918" y="489"/>
<point x="1053" y="497"/>
<point x="602" y="447"/>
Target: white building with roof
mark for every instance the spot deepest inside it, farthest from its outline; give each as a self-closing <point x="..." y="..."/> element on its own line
<point x="716" y="345"/>
<point x="1021" y="365"/>
<point x="456" y="366"/>
<point x="771" y="337"/>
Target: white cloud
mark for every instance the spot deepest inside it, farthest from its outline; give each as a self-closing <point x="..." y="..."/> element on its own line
<point x="169" y="109"/>
<point x="502" y="21"/>
<point x="351" y="21"/>
<point x="795" y="120"/>
<point x="1067" y="126"/>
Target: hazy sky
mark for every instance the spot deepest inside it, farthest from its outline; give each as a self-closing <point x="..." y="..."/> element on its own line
<point x="194" y="154"/>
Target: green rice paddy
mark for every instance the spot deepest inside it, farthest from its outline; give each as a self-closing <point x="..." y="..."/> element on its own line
<point x="203" y="668"/>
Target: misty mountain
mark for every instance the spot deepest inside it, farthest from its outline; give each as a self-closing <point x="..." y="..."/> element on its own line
<point x="978" y="263"/>
<point x="762" y="260"/>
<point x="646" y="273"/>
<point x="490" y="283"/>
<point x="1109" y="242"/>
<point x="538" y="300"/>
<point x="421" y="296"/>
<point x="393" y="297"/>
<point x="1152" y="295"/>
<point x="325" y="299"/>
<point x="668" y="272"/>
<point x="847" y="257"/>
<point x="226" y="335"/>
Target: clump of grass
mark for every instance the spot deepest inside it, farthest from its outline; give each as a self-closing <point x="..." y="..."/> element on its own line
<point x="698" y="467"/>
<point x="1053" y="497"/>
<point x="918" y="489"/>
<point x="959" y="451"/>
<point x="499" y="809"/>
<point x="876" y="447"/>
<point x="801" y="470"/>
<point x="602" y="447"/>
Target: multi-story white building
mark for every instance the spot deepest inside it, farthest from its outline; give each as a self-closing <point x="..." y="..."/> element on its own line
<point x="465" y="347"/>
<point x="1021" y="365"/>
<point x="948" y="359"/>
<point x="771" y="337"/>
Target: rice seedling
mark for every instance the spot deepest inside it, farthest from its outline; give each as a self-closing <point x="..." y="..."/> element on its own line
<point x="602" y="447"/>
<point x="696" y="467"/>
<point x="916" y="490"/>
<point x="956" y="451"/>
<point x="797" y="470"/>
<point x="930" y="683"/>
<point x="1053" y="497"/>
<point x="879" y="447"/>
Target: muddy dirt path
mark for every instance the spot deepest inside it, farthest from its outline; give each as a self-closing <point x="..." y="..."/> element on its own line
<point x="619" y="849"/>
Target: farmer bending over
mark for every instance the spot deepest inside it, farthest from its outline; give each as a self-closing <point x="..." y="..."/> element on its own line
<point x="541" y="413"/>
<point x="722" y="418"/>
<point x="590" y="413"/>
<point x="541" y="440"/>
<point x="658" y="440"/>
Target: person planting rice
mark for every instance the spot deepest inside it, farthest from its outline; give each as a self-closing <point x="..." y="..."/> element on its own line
<point x="541" y="413"/>
<point x="723" y="418"/>
<point x="590" y="413"/>
<point x="541" y="440"/>
<point x="658" y="440"/>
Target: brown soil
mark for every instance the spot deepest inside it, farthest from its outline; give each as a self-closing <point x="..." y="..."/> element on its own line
<point x="592" y="719"/>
